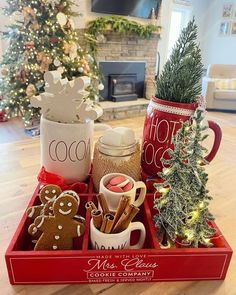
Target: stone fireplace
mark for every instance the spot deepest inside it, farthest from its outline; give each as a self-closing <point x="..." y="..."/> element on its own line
<point x="130" y="75"/>
<point x="131" y="48"/>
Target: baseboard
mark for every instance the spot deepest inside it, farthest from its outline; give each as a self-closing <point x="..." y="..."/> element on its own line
<point x="221" y="110"/>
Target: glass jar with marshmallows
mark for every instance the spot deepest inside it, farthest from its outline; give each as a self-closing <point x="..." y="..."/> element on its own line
<point x="116" y="151"/>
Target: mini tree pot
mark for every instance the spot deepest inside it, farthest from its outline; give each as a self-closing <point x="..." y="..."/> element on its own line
<point x="162" y="121"/>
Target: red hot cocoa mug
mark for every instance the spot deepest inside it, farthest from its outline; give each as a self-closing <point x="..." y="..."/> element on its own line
<point x="162" y="121"/>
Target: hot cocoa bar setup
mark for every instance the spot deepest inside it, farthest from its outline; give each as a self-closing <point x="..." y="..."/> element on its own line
<point x="123" y="211"/>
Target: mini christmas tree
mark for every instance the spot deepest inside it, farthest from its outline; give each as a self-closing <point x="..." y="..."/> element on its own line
<point x="43" y="39"/>
<point x="183" y="206"/>
<point x="180" y="78"/>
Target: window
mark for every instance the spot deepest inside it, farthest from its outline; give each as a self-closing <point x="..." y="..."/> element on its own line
<point x="180" y="16"/>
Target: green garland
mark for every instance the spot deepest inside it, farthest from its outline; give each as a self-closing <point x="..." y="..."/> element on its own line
<point x="120" y="25"/>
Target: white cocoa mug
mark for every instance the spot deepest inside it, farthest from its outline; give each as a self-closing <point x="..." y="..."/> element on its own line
<point x="66" y="148"/>
<point x="113" y="198"/>
<point x="117" y="241"/>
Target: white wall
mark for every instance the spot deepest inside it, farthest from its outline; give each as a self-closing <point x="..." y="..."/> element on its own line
<point x="208" y="16"/>
<point x="217" y="49"/>
<point x="165" y="19"/>
<point x="200" y="10"/>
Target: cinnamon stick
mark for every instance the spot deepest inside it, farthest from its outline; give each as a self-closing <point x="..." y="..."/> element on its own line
<point x="90" y="206"/>
<point x="109" y="223"/>
<point x="103" y="203"/>
<point x="103" y="226"/>
<point x="131" y="216"/>
<point x="124" y="200"/>
<point x="125" y="219"/>
<point x="97" y="218"/>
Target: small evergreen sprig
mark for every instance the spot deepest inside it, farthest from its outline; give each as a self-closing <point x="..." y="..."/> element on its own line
<point x="183" y="205"/>
<point x="180" y="78"/>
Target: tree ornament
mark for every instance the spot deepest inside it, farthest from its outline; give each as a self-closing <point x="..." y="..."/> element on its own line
<point x="29" y="44"/>
<point x="80" y="69"/>
<point x="65" y="101"/>
<point x="30" y="18"/>
<point x="44" y="60"/>
<point x="53" y="3"/>
<point x="54" y="39"/>
<point x="21" y="75"/>
<point x="89" y="57"/>
<point x="4" y="71"/>
<point x="61" y="19"/>
<point x="61" y="70"/>
<point x="71" y="49"/>
<point x="100" y="86"/>
<point x="61" y="7"/>
<point x="30" y="90"/>
<point x="56" y="62"/>
<point x="70" y="25"/>
<point x="13" y="33"/>
<point x="86" y="67"/>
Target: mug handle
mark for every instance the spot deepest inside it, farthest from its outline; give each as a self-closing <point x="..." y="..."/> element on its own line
<point x="217" y="140"/>
<point x="138" y="226"/>
<point x="139" y="184"/>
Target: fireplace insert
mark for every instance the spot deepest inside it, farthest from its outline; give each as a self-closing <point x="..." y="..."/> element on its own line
<point x="122" y="87"/>
<point x="123" y="80"/>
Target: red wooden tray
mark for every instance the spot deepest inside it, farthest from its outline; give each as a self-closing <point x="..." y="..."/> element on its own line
<point x="84" y="265"/>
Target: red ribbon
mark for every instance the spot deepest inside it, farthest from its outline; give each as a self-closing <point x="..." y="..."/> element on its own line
<point x="45" y="177"/>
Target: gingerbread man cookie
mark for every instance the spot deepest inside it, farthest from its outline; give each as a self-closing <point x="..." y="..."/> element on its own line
<point x="71" y="193"/>
<point x="47" y="210"/>
<point x="76" y="196"/>
<point x="48" y="193"/>
<point x="34" y="232"/>
<point x="59" y="230"/>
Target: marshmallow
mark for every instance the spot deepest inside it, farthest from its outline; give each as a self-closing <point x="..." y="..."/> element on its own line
<point x="111" y="137"/>
<point x="128" y="135"/>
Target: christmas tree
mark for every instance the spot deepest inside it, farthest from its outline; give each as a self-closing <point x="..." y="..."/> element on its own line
<point x="180" y="78"/>
<point x="183" y="206"/>
<point x="42" y="38"/>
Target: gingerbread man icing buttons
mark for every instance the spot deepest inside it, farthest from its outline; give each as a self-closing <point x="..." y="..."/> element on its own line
<point x="59" y="230"/>
<point x="48" y="193"/>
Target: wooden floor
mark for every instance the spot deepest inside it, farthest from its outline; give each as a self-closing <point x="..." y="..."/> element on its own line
<point x="20" y="164"/>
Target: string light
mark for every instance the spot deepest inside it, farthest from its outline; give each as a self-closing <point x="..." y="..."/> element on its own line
<point x="206" y="240"/>
<point x="201" y="205"/>
<point x="167" y="170"/>
<point x="189" y="234"/>
<point x="164" y="190"/>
